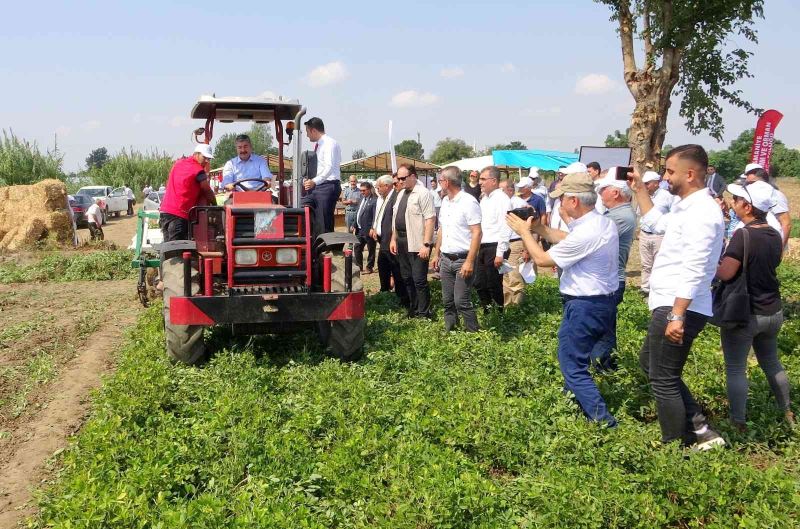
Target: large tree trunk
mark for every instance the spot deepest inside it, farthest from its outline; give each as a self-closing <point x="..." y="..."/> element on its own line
<point x="649" y="119"/>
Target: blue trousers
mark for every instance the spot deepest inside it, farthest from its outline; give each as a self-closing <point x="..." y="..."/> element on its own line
<point x="601" y="352"/>
<point x="586" y="320"/>
<point x="323" y="199"/>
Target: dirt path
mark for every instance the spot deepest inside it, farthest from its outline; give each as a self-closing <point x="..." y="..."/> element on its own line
<point x="67" y="333"/>
<point x="120" y="231"/>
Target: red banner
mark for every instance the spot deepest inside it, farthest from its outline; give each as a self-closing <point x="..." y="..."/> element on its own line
<point x="764" y="137"/>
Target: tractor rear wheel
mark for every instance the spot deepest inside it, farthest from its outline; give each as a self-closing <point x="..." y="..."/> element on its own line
<point x="184" y="342"/>
<point x="344" y="339"/>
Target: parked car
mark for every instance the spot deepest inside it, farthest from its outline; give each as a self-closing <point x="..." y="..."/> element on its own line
<point x="109" y="199"/>
<point x="80" y="204"/>
<point x="152" y="202"/>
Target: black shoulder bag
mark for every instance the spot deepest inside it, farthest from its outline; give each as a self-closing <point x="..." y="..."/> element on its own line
<point x="731" y="305"/>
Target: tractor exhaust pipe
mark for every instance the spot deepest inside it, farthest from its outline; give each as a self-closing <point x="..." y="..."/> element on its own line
<point x="297" y="179"/>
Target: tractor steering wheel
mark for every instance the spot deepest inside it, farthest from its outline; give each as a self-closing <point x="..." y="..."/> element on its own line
<point x="263" y="187"/>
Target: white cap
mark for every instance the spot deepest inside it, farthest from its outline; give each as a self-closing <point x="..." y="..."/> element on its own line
<point x="524" y="182"/>
<point x="650" y="176"/>
<point x="758" y="194"/>
<point x="749" y="167"/>
<point x="574" y="167"/>
<point x="610" y="180"/>
<point x="533" y="173"/>
<point x="205" y="150"/>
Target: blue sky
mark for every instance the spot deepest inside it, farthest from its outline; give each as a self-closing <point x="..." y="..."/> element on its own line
<point x="119" y="74"/>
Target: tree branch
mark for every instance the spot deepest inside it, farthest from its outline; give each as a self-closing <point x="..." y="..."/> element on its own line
<point x="648" y="39"/>
<point x="626" y="37"/>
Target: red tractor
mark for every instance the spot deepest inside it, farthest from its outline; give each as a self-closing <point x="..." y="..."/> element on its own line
<point x="258" y="263"/>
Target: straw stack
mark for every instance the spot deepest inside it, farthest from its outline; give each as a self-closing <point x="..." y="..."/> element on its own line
<point x="31" y="213"/>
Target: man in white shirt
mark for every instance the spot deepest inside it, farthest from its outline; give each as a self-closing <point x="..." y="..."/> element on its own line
<point x="513" y="283"/>
<point x="94" y="217"/>
<point x="680" y="291"/>
<point x="147" y="190"/>
<point x="650" y="238"/>
<point x="495" y="242"/>
<point x="780" y="210"/>
<point x="245" y="166"/>
<point x="588" y="256"/>
<point x="131" y="199"/>
<point x="388" y="265"/>
<point x="323" y="190"/>
<point x="456" y="250"/>
<point x="436" y="196"/>
<point x="714" y="182"/>
<point x="538" y="187"/>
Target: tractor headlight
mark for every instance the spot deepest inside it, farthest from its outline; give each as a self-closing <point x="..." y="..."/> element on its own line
<point x="246" y="257"/>
<point x="286" y="256"/>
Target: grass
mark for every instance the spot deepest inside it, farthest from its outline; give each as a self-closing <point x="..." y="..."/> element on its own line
<point x="430" y="430"/>
<point x="74" y="266"/>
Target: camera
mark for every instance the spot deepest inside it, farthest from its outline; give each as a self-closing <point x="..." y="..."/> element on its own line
<point x="525" y="213"/>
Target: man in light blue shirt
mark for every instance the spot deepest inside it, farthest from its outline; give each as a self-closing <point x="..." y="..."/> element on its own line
<point x="245" y="166"/>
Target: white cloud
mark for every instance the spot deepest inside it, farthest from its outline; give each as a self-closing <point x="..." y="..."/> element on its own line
<point x="137" y="118"/>
<point x="594" y="83"/>
<point x="412" y="98"/>
<point x="63" y="130"/>
<point x="330" y="73"/>
<point x="508" y="68"/>
<point x="452" y="72"/>
<point x="92" y="124"/>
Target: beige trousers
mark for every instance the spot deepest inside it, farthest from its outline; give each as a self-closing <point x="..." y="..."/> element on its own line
<point x="648" y="248"/>
<point x="513" y="284"/>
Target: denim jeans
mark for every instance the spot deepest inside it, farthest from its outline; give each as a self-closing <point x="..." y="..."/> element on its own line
<point x="762" y="334"/>
<point x="585" y="321"/>
<point x="415" y="275"/>
<point x="662" y="361"/>
<point x="456" y="295"/>
<point x="601" y="353"/>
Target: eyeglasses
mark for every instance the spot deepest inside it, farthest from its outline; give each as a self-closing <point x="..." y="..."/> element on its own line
<point x="402" y="178"/>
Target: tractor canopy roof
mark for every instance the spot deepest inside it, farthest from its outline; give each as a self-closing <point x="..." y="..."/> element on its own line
<point x="258" y="109"/>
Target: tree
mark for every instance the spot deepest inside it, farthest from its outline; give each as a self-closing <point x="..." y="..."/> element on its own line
<point x="685" y="45"/>
<point x="260" y="137"/>
<point x="410" y="148"/>
<point x="617" y="139"/>
<point x="513" y="146"/>
<point x="730" y="162"/>
<point x="97" y="158"/>
<point x="450" y="150"/>
<point x="359" y="153"/>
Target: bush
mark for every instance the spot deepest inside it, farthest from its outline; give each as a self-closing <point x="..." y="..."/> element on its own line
<point x="134" y="169"/>
<point x="429" y="430"/>
<point x="89" y="266"/>
<point x="21" y="162"/>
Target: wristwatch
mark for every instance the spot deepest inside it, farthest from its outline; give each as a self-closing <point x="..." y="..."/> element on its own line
<point x="675" y="317"/>
<point x="428" y="245"/>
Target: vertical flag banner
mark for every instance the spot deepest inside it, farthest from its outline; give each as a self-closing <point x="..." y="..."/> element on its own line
<point x="391" y="149"/>
<point x="764" y="138"/>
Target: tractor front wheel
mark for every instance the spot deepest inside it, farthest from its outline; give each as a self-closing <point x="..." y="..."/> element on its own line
<point x="184" y="342"/>
<point x="343" y="339"/>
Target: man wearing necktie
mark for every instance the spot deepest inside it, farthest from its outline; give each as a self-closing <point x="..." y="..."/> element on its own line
<point x="714" y="182"/>
<point x="365" y="216"/>
<point x="323" y="190"/>
<point x="388" y="265"/>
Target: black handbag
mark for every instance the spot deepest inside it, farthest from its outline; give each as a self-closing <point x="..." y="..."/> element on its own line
<point x="731" y="300"/>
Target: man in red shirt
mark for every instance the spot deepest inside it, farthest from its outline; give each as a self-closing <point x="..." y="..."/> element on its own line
<point x="187" y="187"/>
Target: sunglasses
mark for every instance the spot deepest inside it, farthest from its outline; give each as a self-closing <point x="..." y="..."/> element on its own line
<point x="402" y="178"/>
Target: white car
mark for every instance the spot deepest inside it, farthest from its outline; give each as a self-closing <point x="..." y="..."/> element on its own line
<point x="109" y="199"/>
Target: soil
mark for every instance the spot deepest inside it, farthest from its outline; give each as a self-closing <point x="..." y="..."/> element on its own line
<point x="118" y="230"/>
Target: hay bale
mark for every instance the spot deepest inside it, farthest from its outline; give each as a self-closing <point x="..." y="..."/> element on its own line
<point x="31" y="213"/>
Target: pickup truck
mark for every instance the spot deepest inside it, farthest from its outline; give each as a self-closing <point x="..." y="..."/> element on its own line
<point x="109" y="199"/>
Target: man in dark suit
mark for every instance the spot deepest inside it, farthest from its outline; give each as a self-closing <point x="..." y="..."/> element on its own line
<point x="714" y="182"/>
<point x="388" y="266"/>
<point x="365" y="216"/>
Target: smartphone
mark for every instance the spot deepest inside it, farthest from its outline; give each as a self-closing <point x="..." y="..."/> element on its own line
<point x="622" y="172"/>
<point x="525" y="213"/>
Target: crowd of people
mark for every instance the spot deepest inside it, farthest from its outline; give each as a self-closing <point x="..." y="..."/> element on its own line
<point x="491" y="235"/>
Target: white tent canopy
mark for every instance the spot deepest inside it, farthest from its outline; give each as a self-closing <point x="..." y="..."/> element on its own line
<point x="473" y="164"/>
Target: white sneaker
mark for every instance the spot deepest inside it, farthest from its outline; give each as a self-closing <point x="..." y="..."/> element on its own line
<point x="708" y="440"/>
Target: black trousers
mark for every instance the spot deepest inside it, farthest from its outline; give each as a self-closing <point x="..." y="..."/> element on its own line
<point x="488" y="281"/>
<point x="370" y="243"/>
<point x="388" y="269"/>
<point x="130" y="206"/>
<point x="96" y="232"/>
<point x="415" y="275"/>
<point x="173" y="227"/>
<point x="323" y="199"/>
<point x="662" y="361"/>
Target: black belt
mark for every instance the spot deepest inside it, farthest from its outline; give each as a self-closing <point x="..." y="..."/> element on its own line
<point x="567" y="297"/>
<point x="401" y="233"/>
<point x="488" y="244"/>
<point x="515" y="240"/>
<point x="455" y="256"/>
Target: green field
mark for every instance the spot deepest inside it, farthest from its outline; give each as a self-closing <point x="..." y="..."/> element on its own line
<point x="428" y="431"/>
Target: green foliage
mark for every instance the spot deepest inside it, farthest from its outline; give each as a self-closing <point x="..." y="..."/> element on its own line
<point x="359" y="153"/>
<point x="79" y="266"/>
<point x="617" y="139"/>
<point x="430" y="430"/>
<point x="451" y="150"/>
<point x="410" y="148"/>
<point x="21" y="162"/>
<point x="97" y="158"/>
<point x="730" y="162"/>
<point x="132" y="168"/>
<point x="512" y="146"/>
<point x="260" y="137"/>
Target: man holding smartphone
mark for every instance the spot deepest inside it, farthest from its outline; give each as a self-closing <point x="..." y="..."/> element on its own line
<point x="456" y="248"/>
